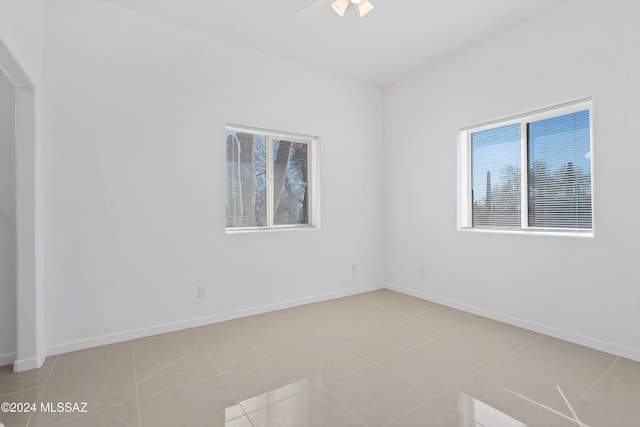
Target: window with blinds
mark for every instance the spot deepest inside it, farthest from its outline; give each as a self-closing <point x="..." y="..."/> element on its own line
<point x="559" y="162"/>
<point x="531" y="172"/>
<point x="495" y="166"/>
<point x="269" y="179"/>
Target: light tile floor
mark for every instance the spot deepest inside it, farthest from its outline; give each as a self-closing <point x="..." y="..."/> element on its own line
<point x="375" y="359"/>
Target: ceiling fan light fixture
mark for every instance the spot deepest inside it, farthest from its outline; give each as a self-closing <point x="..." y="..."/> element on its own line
<point x="364" y="7"/>
<point x="340" y="6"/>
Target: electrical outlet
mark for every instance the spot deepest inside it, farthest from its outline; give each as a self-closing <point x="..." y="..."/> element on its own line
<point x="638" y="304"/>
<point x="354" y="269"/>
<point x="421" y="272"/>
<point x="202" y="292"/>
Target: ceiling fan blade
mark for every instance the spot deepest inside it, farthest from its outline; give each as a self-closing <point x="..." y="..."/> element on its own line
<point x="340" y="6"/>
<point x="364" y="7"/>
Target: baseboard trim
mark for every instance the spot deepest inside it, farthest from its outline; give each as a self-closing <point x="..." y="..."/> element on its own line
<point x="192" y="323"/>
<point x="7" y="358"/>
<point x="608" y="347"/>
<point x="20" y="365"/>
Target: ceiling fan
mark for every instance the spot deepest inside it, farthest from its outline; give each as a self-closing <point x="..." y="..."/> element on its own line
<point x="341" y="6"/>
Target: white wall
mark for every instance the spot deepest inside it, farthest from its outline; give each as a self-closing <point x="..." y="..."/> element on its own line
<point x="135" y="172"/>
<point x="585" y="290"/>
<point x="21" y="57"/>
<point x="22" y="29"/>
<point x="7" y="222"/>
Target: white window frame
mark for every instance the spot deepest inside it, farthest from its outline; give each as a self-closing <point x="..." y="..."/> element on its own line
<point x="313" y="186"/>
<point x="464" y="187"/>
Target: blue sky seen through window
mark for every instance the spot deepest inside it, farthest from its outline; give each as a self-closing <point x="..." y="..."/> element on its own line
<point x="492" y="151"/>
<point x="561" y="140"/>
<point x="559" y="172"/>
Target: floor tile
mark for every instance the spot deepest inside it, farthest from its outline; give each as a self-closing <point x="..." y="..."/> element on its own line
<point x="19" y="419"/>
<point x="499" y="334"/>
<point x="374" y="359"/>
<point x="409" y="305"/>
<point x="348" y="322"/>
<point x="429" y="325"/>
<point x="216" y="332"/>
<point x="259" y="324"/>
<point x="614" y="400"/>
<point x="554" y="352"/>
<point x="576" y="349"/>
<point x="83" y="362"/>
<point x="312" y="408"/>
<point x="124" y="415"/>
<point x="99" y="390"/>
<point x="466" y="352"/>
<point x="162" y="373"/>
<point x="479" y="399"/>
<point x="431" y="414"/>
<point x="375" y="395"/>
<point x="368" y="299"/>
<point x="264" y="377"/>
<point x="169" y="344"/>
<point x="329" y="360"/>
<point x="429" y="372"/>
<point x="11" y="382"/>
<point x="377" y="344"/>
<point x="242" y="350"/>
<point x="294" y="337"/>
<point x="273" y="396"/>
<point x="201" y="404"/>
<point x="632" y="363"/>
<point x="546" y="384"/>
<point x="378" y="315"/>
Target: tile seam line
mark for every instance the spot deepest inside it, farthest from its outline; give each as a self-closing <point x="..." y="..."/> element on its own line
<point x="224" y="379"/>
<point x="46" y="382"/>
<point x="135" y="380"/>
<point x="597" y="380"/>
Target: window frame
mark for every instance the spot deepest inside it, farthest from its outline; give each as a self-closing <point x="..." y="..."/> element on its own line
<point x="313" y="216"/>
<point x="465" y="202"/>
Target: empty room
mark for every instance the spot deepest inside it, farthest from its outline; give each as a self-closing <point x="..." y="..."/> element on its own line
<point x="319" y="213"/>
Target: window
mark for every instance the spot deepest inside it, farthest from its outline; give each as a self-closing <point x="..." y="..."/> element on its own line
<point x="529" y="173"/>
<point x="269" y="179"/>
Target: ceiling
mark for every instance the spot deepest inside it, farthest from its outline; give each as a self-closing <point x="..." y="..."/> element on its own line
<point x="396" y="39"/>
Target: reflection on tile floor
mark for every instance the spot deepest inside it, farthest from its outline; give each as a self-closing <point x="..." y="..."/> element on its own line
<point x="375" y="359"/>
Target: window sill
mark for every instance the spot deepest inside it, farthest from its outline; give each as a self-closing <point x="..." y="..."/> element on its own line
<point x="269" y="230"/>
<point x="532" y="232"/>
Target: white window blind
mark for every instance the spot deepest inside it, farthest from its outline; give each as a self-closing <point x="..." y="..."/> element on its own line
<point x="269" y="179"/>
<point x="495" y="167"/>
<point x="560" y="171"/>
<point x="532" y="172"/>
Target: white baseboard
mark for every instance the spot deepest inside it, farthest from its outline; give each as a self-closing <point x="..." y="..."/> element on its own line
<point x="192" y="323"/>
<point x="7" y="358"/>
<point x="607" y="347"/>
<point x="20" y="365"/>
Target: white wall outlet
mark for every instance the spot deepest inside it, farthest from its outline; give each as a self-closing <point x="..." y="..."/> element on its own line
<point x="421" y="272"/>
<point x="202" y="292"/>
<point x="638" y="304"/>
<point x="354" y="269"/>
